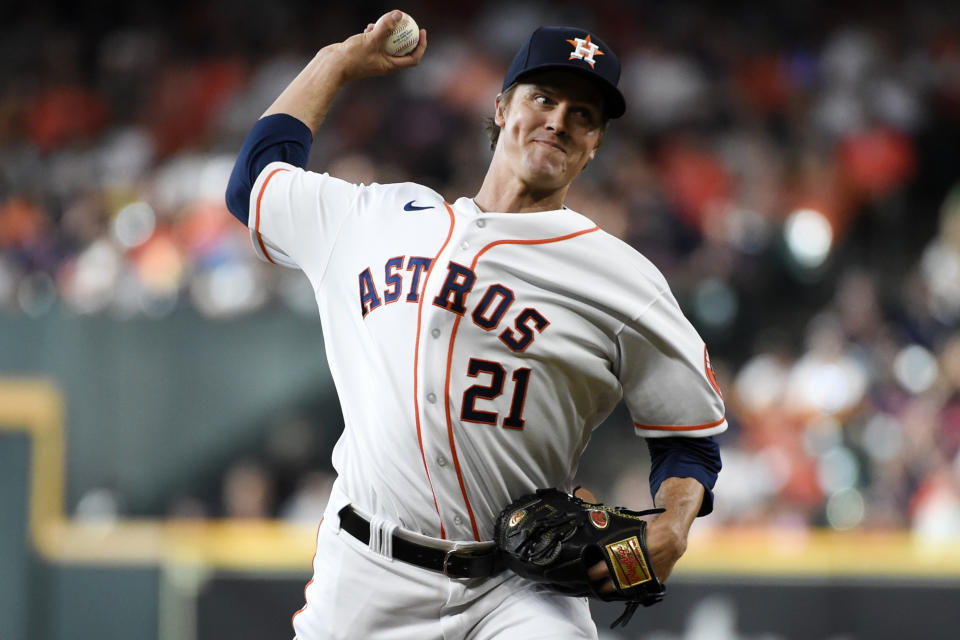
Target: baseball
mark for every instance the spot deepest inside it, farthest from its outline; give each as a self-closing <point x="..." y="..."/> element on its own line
<point x="404" y="37"/>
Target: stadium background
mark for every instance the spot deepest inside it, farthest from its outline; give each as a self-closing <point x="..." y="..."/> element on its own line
<point x="166" y="416"/>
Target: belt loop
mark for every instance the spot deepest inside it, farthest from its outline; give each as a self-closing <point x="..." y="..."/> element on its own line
<point x="381" y="536"/>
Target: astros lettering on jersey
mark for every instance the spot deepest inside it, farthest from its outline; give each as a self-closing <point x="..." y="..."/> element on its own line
<point x="475" y="352"/>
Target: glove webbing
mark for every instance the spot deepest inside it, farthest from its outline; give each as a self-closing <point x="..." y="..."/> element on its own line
<point x="553" y="522"/>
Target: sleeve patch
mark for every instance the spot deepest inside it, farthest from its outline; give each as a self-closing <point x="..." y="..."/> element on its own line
<point x="708" y="369"/>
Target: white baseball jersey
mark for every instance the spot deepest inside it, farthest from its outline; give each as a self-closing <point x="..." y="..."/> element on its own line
<point x="475" y="352"/>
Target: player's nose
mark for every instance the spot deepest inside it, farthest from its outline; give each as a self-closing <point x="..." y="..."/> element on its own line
<point x="557" y="119"/>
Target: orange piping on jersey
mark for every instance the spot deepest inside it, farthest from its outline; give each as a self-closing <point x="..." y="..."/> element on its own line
<point x="542" y="241"/>
<point x="453" y="335"/>
<point x="263" y="248"/>
<point x="453" y="446"/>
<point x="316" y="550"/>
<point x="689" y="427"/>
<point x="416" y="362"/>
<point x="256" y="223"/>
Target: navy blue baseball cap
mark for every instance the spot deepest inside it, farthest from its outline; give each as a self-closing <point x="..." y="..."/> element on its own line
<point x="571" y="49"/>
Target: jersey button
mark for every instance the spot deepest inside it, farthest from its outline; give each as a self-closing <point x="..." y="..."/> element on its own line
<point x="435" y="333"/>
<point x="464" y="245"/>
<point x="441" y="461"/>
<point x="458" y="520"/>
<point x="431" y="397"/>
<point x="481" y="223"/>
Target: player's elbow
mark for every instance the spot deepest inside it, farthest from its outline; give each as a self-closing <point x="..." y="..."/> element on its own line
<point x="237" y="196"/>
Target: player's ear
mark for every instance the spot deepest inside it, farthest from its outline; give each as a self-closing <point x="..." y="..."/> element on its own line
<point x="500" y="107"/>
<point x="593" y="151"/>
<point x="600" y="136"/>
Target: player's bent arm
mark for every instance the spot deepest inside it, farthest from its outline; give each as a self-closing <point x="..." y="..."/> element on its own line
<point x="683" y="472"/>
<point x="285" y="131"/>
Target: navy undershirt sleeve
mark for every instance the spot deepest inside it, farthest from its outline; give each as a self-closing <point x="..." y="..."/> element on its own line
<point x="277" y="137"/>
<point x="677" y="457"/>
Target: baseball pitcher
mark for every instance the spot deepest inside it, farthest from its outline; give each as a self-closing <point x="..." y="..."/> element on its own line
<point x="475" y="343"/>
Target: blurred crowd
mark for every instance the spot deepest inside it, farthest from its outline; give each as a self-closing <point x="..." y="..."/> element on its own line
<point x="791" y="171"/>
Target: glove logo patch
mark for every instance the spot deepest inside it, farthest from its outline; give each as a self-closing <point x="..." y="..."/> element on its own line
<point x="629" y="565"/>
<point x="517" y="517"/>
<point x="599" y="519"/>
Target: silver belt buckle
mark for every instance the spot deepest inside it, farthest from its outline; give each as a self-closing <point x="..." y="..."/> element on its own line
<point x="446" y="561"/>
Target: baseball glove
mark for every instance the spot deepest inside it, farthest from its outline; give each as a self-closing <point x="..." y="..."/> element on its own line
<point x="554" y="538"/>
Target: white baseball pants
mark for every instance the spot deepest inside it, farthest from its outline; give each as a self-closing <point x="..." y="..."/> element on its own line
<point x="358" y="594"/>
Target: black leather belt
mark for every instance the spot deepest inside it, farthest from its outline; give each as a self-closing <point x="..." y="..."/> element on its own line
<point x="454" y="563"/>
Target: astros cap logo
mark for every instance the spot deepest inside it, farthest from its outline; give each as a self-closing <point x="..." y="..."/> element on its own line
<point x="584" y="50"/>
<point x="573" y="49"/>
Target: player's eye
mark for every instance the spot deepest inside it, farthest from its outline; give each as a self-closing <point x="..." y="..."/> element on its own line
<point x="585" y="116"/>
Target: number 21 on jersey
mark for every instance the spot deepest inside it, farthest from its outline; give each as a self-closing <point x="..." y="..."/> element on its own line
<point x="492" y="391"/>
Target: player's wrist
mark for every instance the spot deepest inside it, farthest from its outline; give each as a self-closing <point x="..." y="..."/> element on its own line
<point x="672" y="532"/>
<point x="332" y="64"/>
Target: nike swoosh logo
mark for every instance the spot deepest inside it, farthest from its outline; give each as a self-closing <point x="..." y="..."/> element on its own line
<point x="412" y="207"/>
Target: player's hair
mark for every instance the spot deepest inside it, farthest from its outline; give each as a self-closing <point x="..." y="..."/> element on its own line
<point x="490" y="125"/>
<point x="493" y="129"/>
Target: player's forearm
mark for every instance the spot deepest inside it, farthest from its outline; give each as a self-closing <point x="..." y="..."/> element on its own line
<point x="681" y="497"/>
<point x="308" y="97"/>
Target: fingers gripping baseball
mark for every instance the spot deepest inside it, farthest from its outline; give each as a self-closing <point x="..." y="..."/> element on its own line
<point x="368" y="54"/>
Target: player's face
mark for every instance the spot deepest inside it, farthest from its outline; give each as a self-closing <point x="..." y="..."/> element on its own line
<point x="550" y="128"/>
